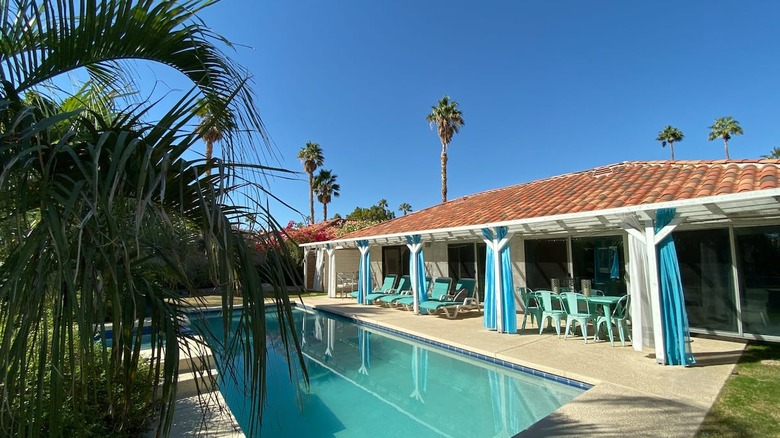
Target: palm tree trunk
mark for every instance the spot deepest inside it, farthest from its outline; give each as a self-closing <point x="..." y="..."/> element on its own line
<point x="324" y="211"/>
<point x="726" y="146"/>
<point x="671" y="146"/>
<point x="209" y="153"/>
<point x="443" y="172"/>
<point x="311" y="196"/>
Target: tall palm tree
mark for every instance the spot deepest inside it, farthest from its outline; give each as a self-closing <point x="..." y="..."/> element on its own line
<point x="448" y="120"/>
<point x="725" y="127"/>
<point x="211" y="127"/>
<point x="312" y="158"/>
<point x="670" y="135"/>
<point x="106" y="208"/>
<point x="405" y="208"/>
<point x="774" y="154"/>
<point x="326" y="188"/>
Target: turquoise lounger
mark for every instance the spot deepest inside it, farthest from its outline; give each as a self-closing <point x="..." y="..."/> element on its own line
<point x="390" y="299"/>
<point x="441" y="287"/>
<point x="388" y="283"/>
<point x="464" y="298"/>
<point x="404" y="284"/>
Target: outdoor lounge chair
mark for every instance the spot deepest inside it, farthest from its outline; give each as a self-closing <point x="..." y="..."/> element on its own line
<point x="440" y="288"/>
<point x="404" y="284"/>
<point x="388" y="283"/>
<point x="464" y="298"/>
<point x="390" y="299"/>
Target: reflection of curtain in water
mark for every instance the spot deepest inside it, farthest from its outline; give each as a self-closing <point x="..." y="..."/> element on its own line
<point x="419" y="373"/>
<point x="318" y="327"/>
<point x="507" y="403"/>
<point x="303" y="330"/>
<point x="364" y="346"/>
<point x="713" y="285"/>
<point x="331" y="333"/>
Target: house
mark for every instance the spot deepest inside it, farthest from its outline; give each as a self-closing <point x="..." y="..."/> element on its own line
<point x="605" y="225"/>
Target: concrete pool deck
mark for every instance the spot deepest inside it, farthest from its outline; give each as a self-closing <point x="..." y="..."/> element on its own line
<point x="631" y="396"/>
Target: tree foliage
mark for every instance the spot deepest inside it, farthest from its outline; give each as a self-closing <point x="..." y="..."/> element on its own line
<point x="448" y="120"/>
<point x="102" y="203"/>
<point x="374" y="213"/>
<point x="725" y="128"/>
<point x="775" y="153"/>
<point x="326" y="188"/>
<point x="670" y="135"/>
<point x="311" y="158"/>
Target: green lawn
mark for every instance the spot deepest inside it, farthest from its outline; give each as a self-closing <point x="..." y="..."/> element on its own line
<point x="749" y="403"/>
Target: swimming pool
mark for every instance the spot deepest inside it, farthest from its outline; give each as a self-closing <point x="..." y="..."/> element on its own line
<point x="367" y="382"/>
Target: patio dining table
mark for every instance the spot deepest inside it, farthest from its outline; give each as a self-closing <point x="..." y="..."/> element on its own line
<point x="606" y="303"/>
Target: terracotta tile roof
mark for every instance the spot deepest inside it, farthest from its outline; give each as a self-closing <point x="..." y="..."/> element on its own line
<point x="613" y="186"/>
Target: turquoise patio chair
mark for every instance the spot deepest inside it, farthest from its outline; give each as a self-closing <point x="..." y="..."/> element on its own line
<point x="388" y="283"/>
<point x="463" y="298"/>
<point x="579" y="311"/>
<point x="550" y="313"/>
<point x="530" y="306"/>
<point x="621" y="316"/>
<point x="404" y="284"/>
<point x="390" y="299"/>
<point x="440" y="287"/>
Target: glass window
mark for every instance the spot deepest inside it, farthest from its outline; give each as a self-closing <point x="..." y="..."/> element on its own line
<point x="395" y="260"/>
<point x="545" y="259"/>
<point x="758" y="252"/>
<point x="706" y="274"/>
<point x="467" y="260"/>
<point x="600" y="259"/>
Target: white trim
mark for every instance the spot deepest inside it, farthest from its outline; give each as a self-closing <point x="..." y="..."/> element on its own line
<point x="414" y="250"/>
<point x="655" y="293"/>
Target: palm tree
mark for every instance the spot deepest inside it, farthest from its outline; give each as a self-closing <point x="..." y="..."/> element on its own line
<point x="405" y="208"/>
<point x="210" y="129"/>
<point x="725" y="127"/>
<point x="106" y="209"/>
<point x="326" y="188"/>
<point x="312" y="158"/>
<point x="774" y="154"/>
<point x="670" y="135"/>
<point x="448" y="120"/>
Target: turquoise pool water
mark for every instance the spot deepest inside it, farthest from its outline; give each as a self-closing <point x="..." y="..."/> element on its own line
<point x="366" y="382"/>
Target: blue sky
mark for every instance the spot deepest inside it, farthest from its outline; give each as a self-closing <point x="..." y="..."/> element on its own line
<point x="545" y="87"/>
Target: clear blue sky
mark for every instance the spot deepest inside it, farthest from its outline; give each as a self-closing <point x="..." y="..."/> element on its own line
<point x="545" y="87"/>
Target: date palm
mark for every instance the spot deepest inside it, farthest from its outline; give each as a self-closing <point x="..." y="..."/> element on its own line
<point x="311" y="157"/>
<point x="775" y="153"/>
<point x="106" y="203"/>
<point x="670" y="135"/>
<point x="405" y="208"/>
<point x="211" y="127"/>
<point x="725" y="127"/>
<point x="326" y="188"/>
<point x="448" y="120"/>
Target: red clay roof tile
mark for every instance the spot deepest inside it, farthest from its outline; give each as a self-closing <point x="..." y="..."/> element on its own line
<point x="617" y="185"/>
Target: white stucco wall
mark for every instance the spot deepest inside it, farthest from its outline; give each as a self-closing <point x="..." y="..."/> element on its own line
<point x="435" y="257"/>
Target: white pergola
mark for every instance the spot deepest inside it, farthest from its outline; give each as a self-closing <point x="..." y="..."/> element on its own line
<point x="757" y="207"/>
